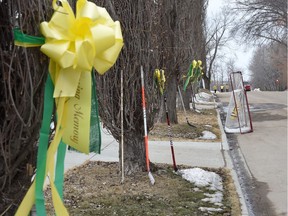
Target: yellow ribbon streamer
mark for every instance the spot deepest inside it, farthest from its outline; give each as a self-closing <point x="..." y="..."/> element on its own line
<point x="74" y="45"/>
<point x="29" y="198"/>
<point x="160" y="79"/>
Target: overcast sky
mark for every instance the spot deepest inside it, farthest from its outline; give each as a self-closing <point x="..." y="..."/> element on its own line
<point x="241" y="53"/>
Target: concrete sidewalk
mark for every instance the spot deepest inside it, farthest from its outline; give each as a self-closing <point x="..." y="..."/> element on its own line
<point x="109" y="152"/>
<point x="200" y="154"/>
<point x="196" y="154"/>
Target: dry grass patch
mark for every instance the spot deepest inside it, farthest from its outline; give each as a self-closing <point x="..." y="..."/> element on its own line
<point x="95" y="188"/>
<point x="206" y="120"/>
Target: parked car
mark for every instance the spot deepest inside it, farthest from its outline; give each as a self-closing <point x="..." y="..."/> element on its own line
<point x="247" y="87"/>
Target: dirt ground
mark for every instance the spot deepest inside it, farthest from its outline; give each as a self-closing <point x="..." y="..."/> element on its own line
<point x="95" y="188"/>
<point x="206" y="120"/>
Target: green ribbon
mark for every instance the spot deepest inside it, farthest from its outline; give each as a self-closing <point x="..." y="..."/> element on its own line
<point x="43" y="146"/>
<point x="24" y="40"/>
<point x="95" y="132"/>
<point x="21" y="39"/>
<point x="59" y="173"/>
<point x="189" y="76"/>
<point x="194" y="74"/>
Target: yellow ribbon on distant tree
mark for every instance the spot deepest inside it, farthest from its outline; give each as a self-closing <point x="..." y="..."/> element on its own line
<point x="160" y="79"/>
<point x="194" y="73"/>
<point x="74" y="44"/>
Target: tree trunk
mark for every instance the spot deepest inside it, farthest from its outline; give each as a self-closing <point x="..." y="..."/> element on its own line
<point x="169" y="60"/>
<point x="171" y="99"/>
<point x="207" y="82"/>
<point x="134" y="153"/>
<point x="22" y="76"/>
<point x="154" y="41"/>
<point x="187" y="98"/>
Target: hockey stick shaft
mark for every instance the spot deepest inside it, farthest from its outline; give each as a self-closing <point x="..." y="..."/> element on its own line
<point x="181" y="98"/>
<point x="170" y="134"/>
<point x="145" y="128"/>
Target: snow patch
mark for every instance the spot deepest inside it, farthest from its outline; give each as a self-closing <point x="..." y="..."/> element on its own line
<point x="208" y="135"/>
<point x="203" y="96"/>
<point x="203" y="178"/>
<point x="237" y="130"/>
<point x="215" y="198"/>
<point x="203" y="209"/>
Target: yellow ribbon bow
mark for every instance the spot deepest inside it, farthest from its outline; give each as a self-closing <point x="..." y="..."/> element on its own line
<point x="74" y="44"/>
<point x="199" y="64"/>
<point x="194" y="64"/>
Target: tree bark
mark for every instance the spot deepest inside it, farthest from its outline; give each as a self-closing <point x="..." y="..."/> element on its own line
<point x="22" y="75"/>
<point x="171" y="94"/>
<point x="134" y="153"/>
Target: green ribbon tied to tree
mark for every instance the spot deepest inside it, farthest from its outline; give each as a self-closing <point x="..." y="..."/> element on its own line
<point x="76" y="43"/>
<point x="24" y="40"/>
<point x="194" y="74"/>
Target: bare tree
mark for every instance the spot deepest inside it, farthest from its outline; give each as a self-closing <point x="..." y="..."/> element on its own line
<point x="264" y="74"/>
<point x="261" y="21"/>
<point x="24" y="71"/>
<point x="231" y="66"/>
<point x="217" y="37"/>
<point x="182" y="40"/>
<point x="169" y="47"/>
<point x="155" y="41"/>
<point x="278" y="55"/>
<point x="140" y="38"/>
<point x="22" y="76"/>
<point x="190" y="39"/>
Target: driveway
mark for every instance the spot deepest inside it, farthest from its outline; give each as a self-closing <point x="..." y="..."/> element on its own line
<point x="261" y="156"/>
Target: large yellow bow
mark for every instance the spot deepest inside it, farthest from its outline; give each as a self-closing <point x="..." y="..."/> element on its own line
<point x="76" y="44"/>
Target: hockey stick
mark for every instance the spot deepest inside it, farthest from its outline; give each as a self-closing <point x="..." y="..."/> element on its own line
<point x="152" y="180"/>
<point x="184" y="108"/>
<point x="170" y="134"/>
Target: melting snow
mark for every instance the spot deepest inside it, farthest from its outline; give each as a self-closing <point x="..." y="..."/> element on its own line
<point x="208" y="135"/>
<point x="211" y="180"/>
<point x="203" y="178"/>
<point x="215" y="198"/>
<point x="202" y="96"/>
<point x="210" y="209"/>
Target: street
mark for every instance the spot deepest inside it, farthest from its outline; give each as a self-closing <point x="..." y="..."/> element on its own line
<point x="264" y="152"/>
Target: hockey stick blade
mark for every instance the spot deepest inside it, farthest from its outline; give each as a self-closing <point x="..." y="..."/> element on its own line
<point x="152" y="180"/>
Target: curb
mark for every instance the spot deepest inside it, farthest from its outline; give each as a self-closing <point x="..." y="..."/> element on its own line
<point x="229" y="164"/>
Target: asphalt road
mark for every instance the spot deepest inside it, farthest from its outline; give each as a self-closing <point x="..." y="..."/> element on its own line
<point x="263" y="152"/>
